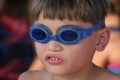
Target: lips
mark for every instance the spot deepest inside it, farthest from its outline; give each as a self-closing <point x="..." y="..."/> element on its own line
<point x="54" y="60"/>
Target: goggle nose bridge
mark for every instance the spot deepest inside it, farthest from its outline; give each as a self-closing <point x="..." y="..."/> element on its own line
<point x="53" y="37"/>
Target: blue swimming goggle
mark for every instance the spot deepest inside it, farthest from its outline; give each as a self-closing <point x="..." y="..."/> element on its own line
<point x="68" y="34"/>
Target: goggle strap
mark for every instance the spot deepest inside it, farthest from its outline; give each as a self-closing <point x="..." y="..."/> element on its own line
<point x="89" y="31"/>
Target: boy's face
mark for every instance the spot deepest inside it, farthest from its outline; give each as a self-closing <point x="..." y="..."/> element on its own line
<point x="61" y="58"/>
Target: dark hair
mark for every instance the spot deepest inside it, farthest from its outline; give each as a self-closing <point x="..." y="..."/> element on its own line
<point x="17" y="8"/>
<point x="92" y="11"/>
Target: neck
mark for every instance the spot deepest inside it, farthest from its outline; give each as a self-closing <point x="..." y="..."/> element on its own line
<point x="115" y="35"/>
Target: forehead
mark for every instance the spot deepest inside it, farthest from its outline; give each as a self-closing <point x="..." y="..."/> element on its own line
<point x="56" y="23"/>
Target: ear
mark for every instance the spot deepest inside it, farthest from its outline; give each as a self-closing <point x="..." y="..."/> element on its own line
<point x="103" y="39"/>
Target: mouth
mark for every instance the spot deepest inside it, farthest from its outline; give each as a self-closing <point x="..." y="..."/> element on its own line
<point x="54" y="60"/>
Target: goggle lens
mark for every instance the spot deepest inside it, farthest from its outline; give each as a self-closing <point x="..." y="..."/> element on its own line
<point x="38" y="34"/>
<point x="69" y="35"/>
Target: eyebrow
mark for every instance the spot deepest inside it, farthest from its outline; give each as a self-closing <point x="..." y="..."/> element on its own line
<point x="43" y="25"/>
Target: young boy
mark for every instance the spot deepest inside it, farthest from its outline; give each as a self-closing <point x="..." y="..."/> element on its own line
<point x="66" y="34"/>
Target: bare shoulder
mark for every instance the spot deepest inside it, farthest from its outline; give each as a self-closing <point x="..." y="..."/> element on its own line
<point x="113" y="76"/>
<point x="34" y="75"/>
<point x="24" y="76"/>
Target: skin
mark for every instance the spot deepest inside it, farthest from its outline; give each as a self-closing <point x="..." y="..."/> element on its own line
<point x="76" y="58"/>
<point x="112" y="20"/>
<point x="111" y="52"/>
<point x="36" y="64"/>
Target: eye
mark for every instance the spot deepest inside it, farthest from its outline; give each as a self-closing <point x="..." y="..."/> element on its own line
<point x="69" y="35"/>
<point x="38" y="34"/>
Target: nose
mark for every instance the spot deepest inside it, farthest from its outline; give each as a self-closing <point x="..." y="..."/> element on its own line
<point x="54" y="46"/>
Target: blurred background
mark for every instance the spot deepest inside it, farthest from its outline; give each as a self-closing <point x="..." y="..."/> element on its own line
<point x="16" y="50"/>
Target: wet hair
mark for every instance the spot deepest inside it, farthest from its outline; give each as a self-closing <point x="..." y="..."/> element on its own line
<point x="92" y="11"/>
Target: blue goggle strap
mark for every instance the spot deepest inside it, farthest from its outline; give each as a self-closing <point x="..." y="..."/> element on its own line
<point x="89" y="31"/>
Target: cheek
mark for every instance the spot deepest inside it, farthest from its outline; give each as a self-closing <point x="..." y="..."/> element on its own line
<point x="39" y="49"/>
<point x="82" y="52"/>
<point x="77" y="54"/>
<point x="77" y="57"/>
